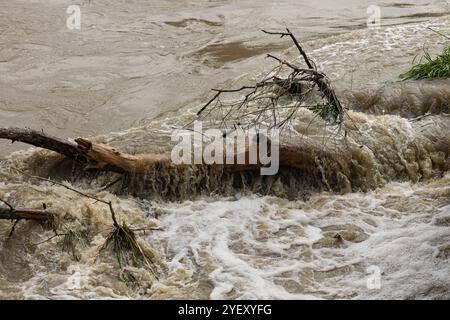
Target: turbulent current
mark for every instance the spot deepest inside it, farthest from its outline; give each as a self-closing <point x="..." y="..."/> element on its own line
<point x="371" y="219"/>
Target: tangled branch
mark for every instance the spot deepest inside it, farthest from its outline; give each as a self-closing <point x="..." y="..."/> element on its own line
<point x="121" y="239"/>
<point x="274" y="101"/>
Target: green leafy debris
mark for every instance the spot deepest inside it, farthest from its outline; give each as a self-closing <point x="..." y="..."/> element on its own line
<point x="429" y="67"/>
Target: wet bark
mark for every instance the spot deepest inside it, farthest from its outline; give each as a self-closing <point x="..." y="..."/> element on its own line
<point x="40" y="139"/>
<point x="95" y="156"/>
<point x="24" y="214"/>
<point x="102" y="157"/>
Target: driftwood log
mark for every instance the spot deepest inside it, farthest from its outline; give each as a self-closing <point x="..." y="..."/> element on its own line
<point x="24" y="214"/>
<point x="307" y="159"/>
<point x="102" y="157"/>
<point x="96" y="156"/>
<point x="14" y="214"/>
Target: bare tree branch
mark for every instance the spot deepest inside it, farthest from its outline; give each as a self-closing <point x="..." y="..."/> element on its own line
<point x="264" y="97"/>
<point x="109" y="203"/>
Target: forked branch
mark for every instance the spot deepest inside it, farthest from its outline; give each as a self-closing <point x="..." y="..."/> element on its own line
<point x="260" y="106"/>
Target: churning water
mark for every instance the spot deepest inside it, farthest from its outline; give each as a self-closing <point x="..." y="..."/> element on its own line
<point x="379" y="214"/>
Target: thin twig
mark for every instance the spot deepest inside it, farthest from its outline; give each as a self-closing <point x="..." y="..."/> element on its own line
<point x="109" y="185"/>
<point x="147" y="229"/>
<point x="12" y="229"/>
<point x="109" y="203"/>
<point x="49" y="239"/>
<point x="7" y="203"/>
<point x="439" y="33"/>
<point x="300" y="49"/>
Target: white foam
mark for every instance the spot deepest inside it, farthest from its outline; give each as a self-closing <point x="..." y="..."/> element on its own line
<point x="253" y="246"/>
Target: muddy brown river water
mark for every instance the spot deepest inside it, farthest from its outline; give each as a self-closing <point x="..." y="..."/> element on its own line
<point x="139" y="68"/>
<point x="133" y="60"/>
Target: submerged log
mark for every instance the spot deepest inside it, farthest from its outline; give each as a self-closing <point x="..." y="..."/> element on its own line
<point x="42" y="140"/>
<point x="102" y="157"/>
<point x="96" y="156"/>
<point x="25" y="214"/>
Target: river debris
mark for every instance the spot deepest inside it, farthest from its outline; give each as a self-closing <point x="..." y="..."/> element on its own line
<point x="298" y="86"/>
<point x="123" y="243"/>
<point x="122" y="239"/>
<point x="429" y="67"/>
<point x="274" y="100"/>
<point x="264" y="105"/>
<point x="18" y="214"/>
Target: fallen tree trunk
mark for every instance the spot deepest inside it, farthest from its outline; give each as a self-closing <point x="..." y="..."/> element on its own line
<point x="42" y="140"/>
<point x="95" y="156"/>
<point x="102" y="157"/>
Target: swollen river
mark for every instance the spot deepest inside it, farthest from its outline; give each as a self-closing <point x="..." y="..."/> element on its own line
<point x="376" y="225"/>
